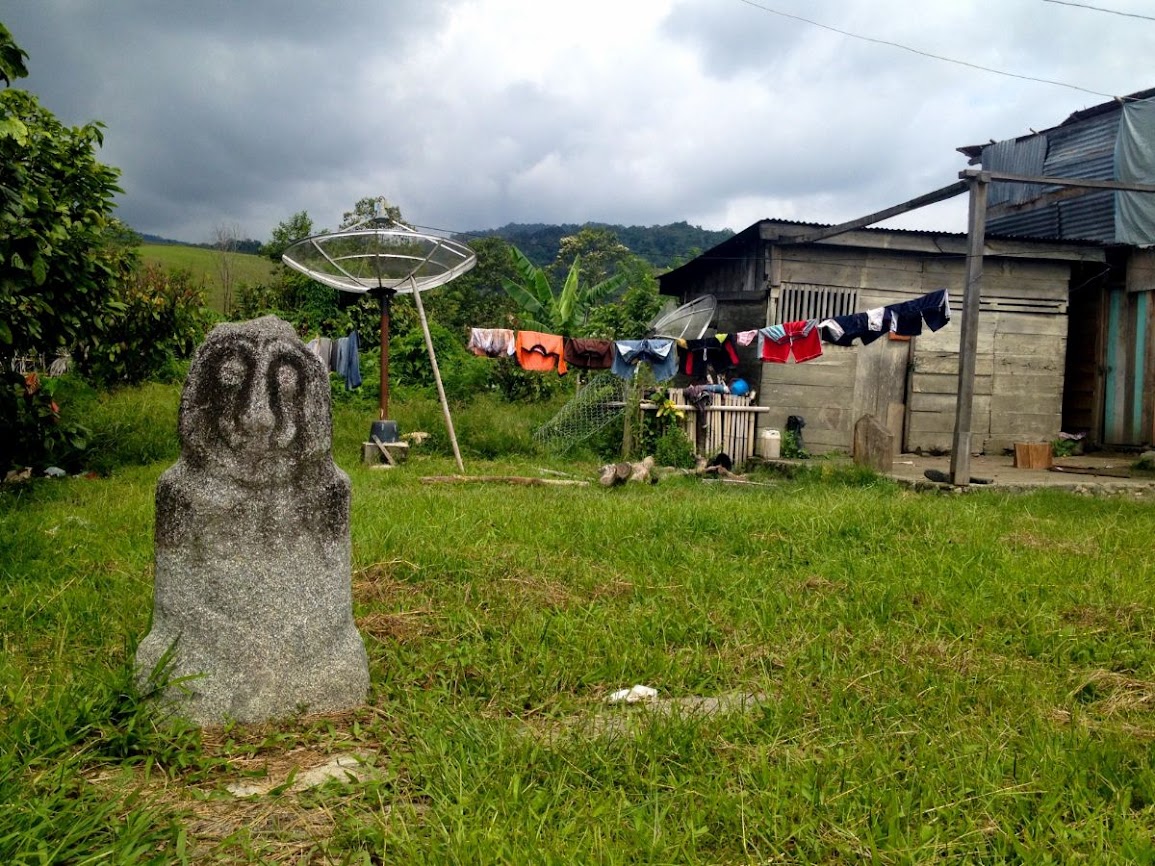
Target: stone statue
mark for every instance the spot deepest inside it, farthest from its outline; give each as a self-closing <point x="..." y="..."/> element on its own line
<point x="252" y="610"/>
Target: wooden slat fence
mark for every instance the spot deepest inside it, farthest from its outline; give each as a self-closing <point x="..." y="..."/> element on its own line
<point x="730" y="423"/>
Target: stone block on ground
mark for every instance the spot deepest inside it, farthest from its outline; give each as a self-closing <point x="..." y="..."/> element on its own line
<point x="873" y="444"/>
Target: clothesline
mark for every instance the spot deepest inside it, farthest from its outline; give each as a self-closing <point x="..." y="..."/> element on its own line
<point x="801" y="339"/>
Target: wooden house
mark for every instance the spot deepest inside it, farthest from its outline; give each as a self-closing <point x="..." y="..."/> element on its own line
<point x="769" y="273"/>
<point x="1110" y="359"/>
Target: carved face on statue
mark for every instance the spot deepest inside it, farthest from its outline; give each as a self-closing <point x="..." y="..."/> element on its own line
<point x="255" y="408"/>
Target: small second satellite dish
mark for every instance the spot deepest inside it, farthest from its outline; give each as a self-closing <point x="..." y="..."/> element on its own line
<point x="687" y="322"/>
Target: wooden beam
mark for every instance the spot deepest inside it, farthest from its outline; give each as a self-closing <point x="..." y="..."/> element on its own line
<point x="960" y="455"/>
<point x="502" y="479"/>
<point x="938" y="195"/>
<point x="1089" y="183"/>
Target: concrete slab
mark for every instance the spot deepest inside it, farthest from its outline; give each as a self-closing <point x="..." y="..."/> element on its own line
<point x="1096" y="474"/>
<point x="1099" y="473"/>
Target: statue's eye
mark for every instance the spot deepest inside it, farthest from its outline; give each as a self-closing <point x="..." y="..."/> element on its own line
<point x="288" y="380"/>
<point x="232" y="372"/>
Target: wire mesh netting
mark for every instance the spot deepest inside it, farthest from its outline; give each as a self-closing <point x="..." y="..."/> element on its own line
<point x="597" y="404"/>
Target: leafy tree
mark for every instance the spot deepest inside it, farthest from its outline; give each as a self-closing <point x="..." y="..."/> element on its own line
<point x="602" y="254"/>
<point x="288" y="232"/>
<point x="564" y="312"/>
<point x="629" y="318"/>
<point x="57" y="265"/>
<point x="12" y="57"/>
<point x="60" y="256"/>
<point x="369" y="208"/>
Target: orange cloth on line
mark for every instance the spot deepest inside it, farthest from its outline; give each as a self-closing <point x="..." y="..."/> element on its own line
<point x="541" y="352"/>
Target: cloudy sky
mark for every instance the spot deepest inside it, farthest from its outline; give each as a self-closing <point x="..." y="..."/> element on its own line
<point x="471" y="114"/>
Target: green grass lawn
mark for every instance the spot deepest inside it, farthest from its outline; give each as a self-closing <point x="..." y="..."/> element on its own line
<point x="205" y="265"/>
<point x="934" y="679"/>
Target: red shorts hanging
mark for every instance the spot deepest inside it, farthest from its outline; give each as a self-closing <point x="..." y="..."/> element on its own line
<point x="776" y="343"/>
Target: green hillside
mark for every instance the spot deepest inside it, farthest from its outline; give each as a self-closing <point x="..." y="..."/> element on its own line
<point x="662" y="246"/>
<point x="206" y="265"/>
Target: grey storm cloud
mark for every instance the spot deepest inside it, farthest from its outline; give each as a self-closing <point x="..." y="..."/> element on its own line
<point x="473" y="113"/>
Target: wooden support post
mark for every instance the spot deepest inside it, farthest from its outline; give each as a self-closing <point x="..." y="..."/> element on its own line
<point x="960" y="456"/>
<point x="385" y="297"/>
<point x="436" y="374"/>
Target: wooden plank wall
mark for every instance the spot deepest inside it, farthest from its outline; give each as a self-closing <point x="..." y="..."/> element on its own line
<point x="1019" y="369"/>
<point x="1021" y="348"/>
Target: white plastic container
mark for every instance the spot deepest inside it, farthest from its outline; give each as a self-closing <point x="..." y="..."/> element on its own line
<point x="770" y="444"/>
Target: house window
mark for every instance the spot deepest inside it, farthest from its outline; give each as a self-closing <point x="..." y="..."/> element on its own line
<point x="807" y="301"/>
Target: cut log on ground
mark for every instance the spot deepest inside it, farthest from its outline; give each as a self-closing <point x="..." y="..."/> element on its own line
<point x="619" y="473"/>
<point x="502" y="479"/>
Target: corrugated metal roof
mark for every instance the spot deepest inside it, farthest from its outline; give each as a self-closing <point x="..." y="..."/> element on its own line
<point x="1085" y="148"/>
<point x="1089" y="217"/>
<point x="1041" y="223"/>
<point x="1015" y="156"/>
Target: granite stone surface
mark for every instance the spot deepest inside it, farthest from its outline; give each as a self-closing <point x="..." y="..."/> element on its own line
<point x="253" y="587"/>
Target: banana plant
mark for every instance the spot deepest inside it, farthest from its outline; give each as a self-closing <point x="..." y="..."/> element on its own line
<point x="563" y="313"/>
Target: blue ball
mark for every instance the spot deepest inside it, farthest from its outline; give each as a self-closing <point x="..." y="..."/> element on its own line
<point x="739" y="388"/>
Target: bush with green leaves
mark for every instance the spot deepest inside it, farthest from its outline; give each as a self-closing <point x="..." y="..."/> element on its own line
<point x="672" y="448"/>
<point x="462" y="373"/>
<point x="157" y="319"/>
<point x="34" y="431"/>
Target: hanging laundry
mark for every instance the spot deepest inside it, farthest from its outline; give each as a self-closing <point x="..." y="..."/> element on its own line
<point x="325" y="352"/>
<point x="844" y="330"/>
<point x="745" y="338"/>
<point x="492" y="342"/>
<point x="907" y="317"/>
<point x="776" y="343"/>
<point x="348" y="360"/>
<point x="659" y="354"/>
<point x="589" y="354"/>
<point x="709" y="351"/>
<point x="541" y="352"/>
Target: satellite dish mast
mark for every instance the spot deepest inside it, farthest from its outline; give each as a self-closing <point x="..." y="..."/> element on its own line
<point x="383" y="258"/>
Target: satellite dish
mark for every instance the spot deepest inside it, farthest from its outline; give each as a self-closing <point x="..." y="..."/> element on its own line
<point x="383" y="258"/>
<point x="687" y="322"/>
<point x="380" y="256"/>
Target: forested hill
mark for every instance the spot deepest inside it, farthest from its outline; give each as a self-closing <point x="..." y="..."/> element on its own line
<point x="661" y="246"/>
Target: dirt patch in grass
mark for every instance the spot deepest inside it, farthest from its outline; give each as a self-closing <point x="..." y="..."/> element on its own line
<point x="1109" y="617"/>
<point x="537" y="591"/>
<point x="614" y="588"/>
<point x="1084" y="546"/>
<point x="267" y="797"/>
<point x="398" y="627"/>
<point x="376" y="586"/>
<point x="819" y="585"/>
<point x="1113" y="694"/>
<point x="379" y="582"/>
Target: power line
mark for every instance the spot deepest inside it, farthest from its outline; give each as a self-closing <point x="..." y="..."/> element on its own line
<point x="924" y="53"/>
<point x="1101" y="9"/>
